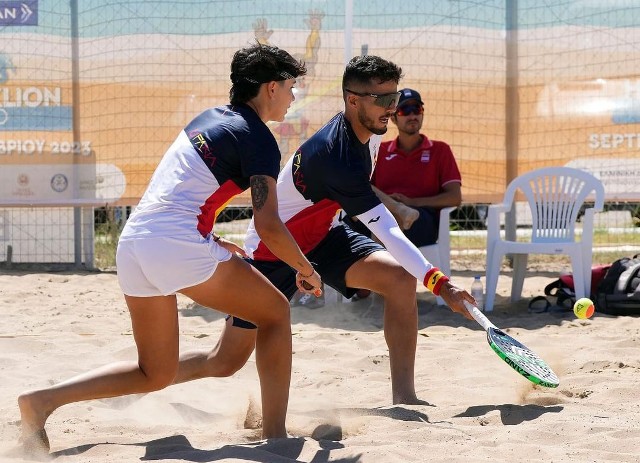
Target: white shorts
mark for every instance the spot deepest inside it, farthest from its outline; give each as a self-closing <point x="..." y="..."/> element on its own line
<point x="163" y="266"/>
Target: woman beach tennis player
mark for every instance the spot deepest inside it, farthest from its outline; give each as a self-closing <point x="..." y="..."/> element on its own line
<point x="168" y="246"/>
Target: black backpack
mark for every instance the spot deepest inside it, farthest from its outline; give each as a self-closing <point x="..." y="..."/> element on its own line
<point x="619" y="291"/>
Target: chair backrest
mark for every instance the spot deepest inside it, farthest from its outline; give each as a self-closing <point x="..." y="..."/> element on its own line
<point x="555" y="196"/>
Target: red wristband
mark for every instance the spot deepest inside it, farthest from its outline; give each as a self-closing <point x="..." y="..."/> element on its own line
<point x="434" y="279"/>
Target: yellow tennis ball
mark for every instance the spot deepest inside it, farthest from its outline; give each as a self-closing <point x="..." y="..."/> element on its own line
<point x="584" y="308"/>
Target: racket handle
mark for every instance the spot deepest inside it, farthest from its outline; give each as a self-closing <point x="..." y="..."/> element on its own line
<point x="479" y="316"/>
<point x="316" y="293"/>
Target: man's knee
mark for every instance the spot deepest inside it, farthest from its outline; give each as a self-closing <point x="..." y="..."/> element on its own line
<point x="399" y="281"/>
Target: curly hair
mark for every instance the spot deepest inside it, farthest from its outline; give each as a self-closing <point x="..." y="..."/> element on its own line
<point x="255" y="65"/>
<point x="364" y="69"/>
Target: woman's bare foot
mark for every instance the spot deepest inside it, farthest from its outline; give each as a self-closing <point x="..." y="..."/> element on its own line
<point x="33" y="437"/>
<point x="35" y="445"/>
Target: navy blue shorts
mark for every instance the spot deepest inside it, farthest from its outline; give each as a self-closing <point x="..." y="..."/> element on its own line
<point x="332" y="257"/>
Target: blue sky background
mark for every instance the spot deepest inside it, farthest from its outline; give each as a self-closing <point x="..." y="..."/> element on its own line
<point x="203" y="17"/>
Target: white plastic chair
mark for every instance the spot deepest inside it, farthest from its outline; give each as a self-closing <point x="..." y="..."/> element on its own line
<point x="554" y="196"/>
<point x="439" y="254"/>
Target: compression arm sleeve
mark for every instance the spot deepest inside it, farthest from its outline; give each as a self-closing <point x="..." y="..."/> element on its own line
<point x="382" y="224"/>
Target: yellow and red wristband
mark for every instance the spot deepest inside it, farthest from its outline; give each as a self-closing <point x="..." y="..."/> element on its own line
<point x="434" y="279"/>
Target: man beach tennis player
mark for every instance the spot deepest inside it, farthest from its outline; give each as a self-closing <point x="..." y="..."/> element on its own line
<point x="168" y="246"/>
<point x="329" y="172"/>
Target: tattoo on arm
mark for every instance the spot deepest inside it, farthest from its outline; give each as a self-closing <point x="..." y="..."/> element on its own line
<point x="259" y="191"/>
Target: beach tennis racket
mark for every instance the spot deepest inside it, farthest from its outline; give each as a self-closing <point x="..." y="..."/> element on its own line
<point x="515" y="354"/>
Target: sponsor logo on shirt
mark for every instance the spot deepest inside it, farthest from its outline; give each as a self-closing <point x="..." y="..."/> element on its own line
<point x="389" y="157"/>
<point x="298" y="178"/>
<point x="199" y="142"/>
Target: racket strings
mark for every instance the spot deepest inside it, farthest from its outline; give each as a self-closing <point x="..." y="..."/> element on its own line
<point x="524" y="357"/>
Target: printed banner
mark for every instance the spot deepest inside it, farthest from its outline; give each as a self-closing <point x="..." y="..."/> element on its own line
<point x="23" y="13"/>
<point x="136" y="73"/>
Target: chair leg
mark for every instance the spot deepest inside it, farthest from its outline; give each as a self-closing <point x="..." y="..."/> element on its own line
<point x="519" y="272"/>
<point x="331" y="295"/>
<point x="579" y="278"/>
<point x="443" y="264"/>
<point x="587" y="262"/>
<point x="494" y="259"/>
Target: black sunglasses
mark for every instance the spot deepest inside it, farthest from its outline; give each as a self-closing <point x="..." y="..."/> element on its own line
<point x="408" y="109"/>
<point x="384" y="100"/>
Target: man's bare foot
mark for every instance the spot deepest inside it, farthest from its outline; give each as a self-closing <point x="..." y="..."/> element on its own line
<point x="406" y="215"/>
<point x="33" y="437"/>
<point x="409" y="400"/>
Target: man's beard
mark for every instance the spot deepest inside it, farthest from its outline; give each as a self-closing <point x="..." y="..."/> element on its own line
<point x="370" y="124"/>
<point x="410" y="131"/>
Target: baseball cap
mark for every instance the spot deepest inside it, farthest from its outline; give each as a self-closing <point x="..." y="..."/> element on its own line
<point x="407" y="94"/>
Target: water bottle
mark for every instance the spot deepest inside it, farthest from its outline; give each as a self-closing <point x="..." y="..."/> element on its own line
<point x="477" y="291"/>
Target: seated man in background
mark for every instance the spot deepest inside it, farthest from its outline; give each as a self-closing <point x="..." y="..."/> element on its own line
<point x="414" y="171"/>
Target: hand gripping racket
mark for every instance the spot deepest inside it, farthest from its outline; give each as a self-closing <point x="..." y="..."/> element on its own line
<point x="316" y="293"/>
<point x="516" y="355"/>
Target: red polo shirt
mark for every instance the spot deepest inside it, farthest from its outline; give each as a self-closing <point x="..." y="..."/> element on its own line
<point x="419" y="173"/>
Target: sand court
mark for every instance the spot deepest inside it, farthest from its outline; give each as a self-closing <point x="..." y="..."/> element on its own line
<point x="476" y="408"/>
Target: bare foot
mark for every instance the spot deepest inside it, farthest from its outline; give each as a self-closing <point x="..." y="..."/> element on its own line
<point x="409" y="400"/>
<point x="36" y="445"/>
<point x="406" y="215"/>
<point x="33" y="438"/>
